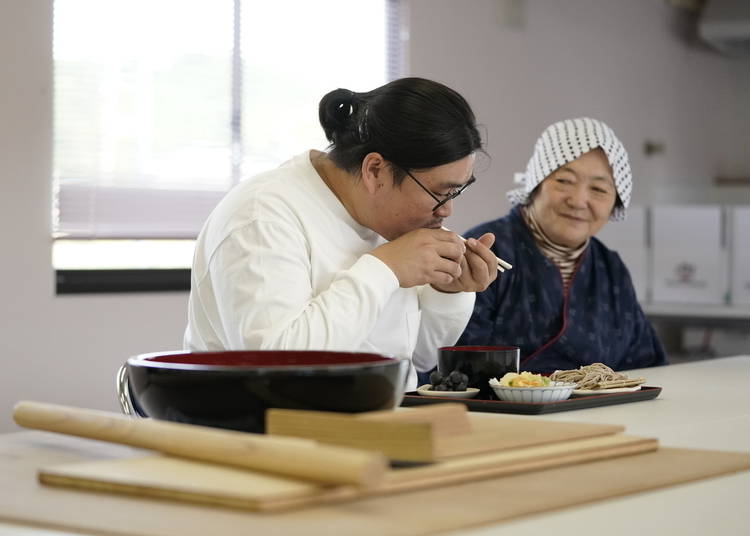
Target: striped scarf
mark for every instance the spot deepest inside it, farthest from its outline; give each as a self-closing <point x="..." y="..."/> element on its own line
<point x="565" y="258"/>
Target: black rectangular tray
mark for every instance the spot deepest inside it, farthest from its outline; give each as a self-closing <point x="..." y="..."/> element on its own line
<point x="411" y="398"/>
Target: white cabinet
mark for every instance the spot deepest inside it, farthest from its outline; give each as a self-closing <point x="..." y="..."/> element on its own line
<point x="738" y="219"/>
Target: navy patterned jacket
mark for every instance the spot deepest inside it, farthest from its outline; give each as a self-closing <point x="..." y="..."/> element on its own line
<point x="599" y="321"/>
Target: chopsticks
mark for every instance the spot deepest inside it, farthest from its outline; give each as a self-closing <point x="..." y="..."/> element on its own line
<point x="501" y="264"/>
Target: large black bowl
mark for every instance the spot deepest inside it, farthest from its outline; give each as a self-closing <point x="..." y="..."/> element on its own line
<point x="233" y="389"/>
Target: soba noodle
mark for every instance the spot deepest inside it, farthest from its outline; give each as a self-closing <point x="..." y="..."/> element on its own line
<point x="596" y="376"/>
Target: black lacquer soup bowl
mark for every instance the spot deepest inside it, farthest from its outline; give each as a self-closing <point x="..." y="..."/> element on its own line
<point x="233" y="389"/>
<point x="479" y="363"/>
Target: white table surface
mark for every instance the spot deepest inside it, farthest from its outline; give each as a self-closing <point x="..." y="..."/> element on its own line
<point x="704" y="404"/>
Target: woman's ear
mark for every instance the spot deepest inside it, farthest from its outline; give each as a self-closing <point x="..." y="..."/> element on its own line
<point x="374" y="172"/>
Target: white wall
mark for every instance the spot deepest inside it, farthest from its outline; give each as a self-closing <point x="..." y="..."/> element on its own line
<point x="524" y="64"/>
<point x="613" y="59"/>
<point x="57" y="349"/>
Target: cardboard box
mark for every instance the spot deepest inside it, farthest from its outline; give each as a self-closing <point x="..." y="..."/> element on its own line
<point x="690" y="262"/>
<point x="629" y="238"/>
<point x="739" y="232"/>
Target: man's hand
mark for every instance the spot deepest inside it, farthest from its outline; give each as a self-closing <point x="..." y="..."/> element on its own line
<point x="427" y="256"/>
<point x="440" y="258"/>
<point x="478" y="267"/>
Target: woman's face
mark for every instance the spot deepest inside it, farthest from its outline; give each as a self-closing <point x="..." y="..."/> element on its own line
<point x="407" y="206"/>
<point x="573" y="202"/>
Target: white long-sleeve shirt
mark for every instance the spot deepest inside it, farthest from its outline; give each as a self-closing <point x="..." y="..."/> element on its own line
<point x="281" y="265"/>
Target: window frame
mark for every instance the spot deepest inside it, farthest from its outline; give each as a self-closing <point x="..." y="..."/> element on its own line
<point x="121" y="280"/>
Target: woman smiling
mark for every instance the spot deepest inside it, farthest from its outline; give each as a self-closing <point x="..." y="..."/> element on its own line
<point x="569" y="300"/>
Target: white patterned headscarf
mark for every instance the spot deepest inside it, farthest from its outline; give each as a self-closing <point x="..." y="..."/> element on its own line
<point x="567" y="140"/>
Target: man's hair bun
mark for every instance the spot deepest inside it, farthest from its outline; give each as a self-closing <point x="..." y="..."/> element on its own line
<point x="335" y="113"/>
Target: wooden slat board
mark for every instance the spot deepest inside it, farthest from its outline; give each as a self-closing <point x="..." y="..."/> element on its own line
<point x="492" y="446"/>
<point x="431" y="510"/>
<point x="490" y="433"/>
<point x="401" y="438"/>
<point x="185" y="480"/>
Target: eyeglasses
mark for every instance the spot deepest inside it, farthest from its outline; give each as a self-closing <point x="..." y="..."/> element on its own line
<point x="446" y="197"/>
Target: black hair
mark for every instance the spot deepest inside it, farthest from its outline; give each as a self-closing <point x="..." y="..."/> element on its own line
<point x="413" y="123"/>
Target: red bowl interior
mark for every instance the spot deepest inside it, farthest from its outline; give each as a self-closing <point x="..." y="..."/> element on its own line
<point x="267" y="358"/>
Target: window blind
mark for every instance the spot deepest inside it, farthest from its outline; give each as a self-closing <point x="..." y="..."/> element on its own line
<point x="161" y="106"/>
